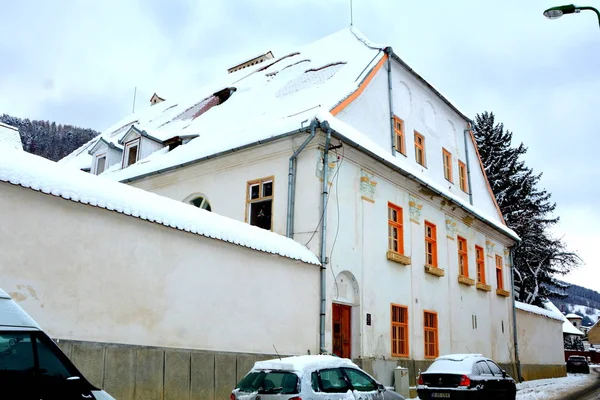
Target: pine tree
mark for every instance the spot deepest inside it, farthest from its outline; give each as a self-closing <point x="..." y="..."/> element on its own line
<point x="527" y="210"/>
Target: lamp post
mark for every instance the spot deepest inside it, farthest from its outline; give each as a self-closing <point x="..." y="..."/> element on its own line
<point x="557" y="12"/>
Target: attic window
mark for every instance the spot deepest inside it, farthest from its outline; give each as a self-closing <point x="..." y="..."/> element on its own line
<point x="201" y="202"/>
<point x="100" y="164"/>
<point x="131" y="153"/>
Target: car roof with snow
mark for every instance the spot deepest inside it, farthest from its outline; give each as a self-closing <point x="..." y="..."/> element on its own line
<point x="303" y="363"/>
<point x="12" y="315"/>
<point x="455" y="364"/>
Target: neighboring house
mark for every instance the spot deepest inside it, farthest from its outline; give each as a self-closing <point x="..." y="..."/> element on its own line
<point x="9" y="137"/>
<point x="344" y="148"/>
<point x="575" y="320"/>
<point x="594" y="335"/>
<point x="571" y="334"/>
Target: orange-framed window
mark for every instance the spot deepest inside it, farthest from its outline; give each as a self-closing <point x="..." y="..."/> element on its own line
<point x="420" y="148"/>
<point x="430" y="331"/>
<point x="447" y="159"/>
<point x="395" y="229"/>
<point x="399" y="132"/>
<point x="399" y="331"/>
<point x="462" y="177"/>
<point x="499" y="278"/>
<point x="480" y="260"/>
<point x="430" y="244"/>
<point x="463" y="259"/>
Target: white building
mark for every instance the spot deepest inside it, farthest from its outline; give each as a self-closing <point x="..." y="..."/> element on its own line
<point x="344" y="148"/>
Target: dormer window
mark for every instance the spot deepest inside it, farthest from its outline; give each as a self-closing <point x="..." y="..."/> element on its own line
<point x="100" y="164"/>
<point x="131" y="153"/>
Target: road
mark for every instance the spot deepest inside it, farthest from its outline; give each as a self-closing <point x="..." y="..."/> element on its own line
<point x="589" y="393"/>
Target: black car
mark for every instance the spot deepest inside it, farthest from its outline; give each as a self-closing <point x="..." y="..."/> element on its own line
<point x="578" y="364"/>
<point x="465" y="376"/>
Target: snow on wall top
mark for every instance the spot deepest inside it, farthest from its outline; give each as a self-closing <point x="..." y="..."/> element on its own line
<point x="575" y="316"/>
<point x="304" y="363"/>
<point x="37" y="173"/>
<point x="567" y="325"/>
<point x="9" y="137"/>
<point x="538" y="310"/>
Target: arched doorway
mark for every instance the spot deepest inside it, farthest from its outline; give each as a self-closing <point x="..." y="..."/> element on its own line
<point x="345" y="315"/>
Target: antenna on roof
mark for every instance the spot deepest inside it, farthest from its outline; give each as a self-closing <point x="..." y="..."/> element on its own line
<point x="351" y="16"/>
<point x="278" y="356"/>
<point x="134" y="94"/>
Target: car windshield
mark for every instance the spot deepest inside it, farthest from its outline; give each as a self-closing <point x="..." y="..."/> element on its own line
<point x="269" y="382"/>
<point x="577" y="358"/>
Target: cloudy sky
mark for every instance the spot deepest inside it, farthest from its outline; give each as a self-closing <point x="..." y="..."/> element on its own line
<point x="78" y="62"/>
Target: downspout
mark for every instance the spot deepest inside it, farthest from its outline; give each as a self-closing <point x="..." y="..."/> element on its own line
<point x="514" y="311"/>
<point x="289" y="230"/>
<point x="324" y="126"/>
<point x="468" y="163"/>
<point x="389" y="52"/>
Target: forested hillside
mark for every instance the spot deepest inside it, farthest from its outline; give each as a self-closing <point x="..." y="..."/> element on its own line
<point x="582" y="301"/>
<point x="49" y="139"/>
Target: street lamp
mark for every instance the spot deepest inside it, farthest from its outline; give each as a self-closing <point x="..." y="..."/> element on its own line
<point x="557" y="12"/>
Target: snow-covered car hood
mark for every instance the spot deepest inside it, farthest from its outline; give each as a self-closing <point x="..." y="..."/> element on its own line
<point x="102" y="395"/>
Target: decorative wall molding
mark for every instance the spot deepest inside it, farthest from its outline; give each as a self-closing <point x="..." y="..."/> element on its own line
<point x="415" y="208"/>
<point x="367" y="186"/>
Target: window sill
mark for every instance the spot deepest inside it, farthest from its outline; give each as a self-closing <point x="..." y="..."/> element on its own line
<point x="434" y="271"/>
<point x="484" y="287"/>
<point x="465" y="280"/>
<point x="502" y="292"/>
<point x="399" y="258"/>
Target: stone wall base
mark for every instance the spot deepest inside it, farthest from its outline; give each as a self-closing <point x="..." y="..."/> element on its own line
<point x="129" y="372"/>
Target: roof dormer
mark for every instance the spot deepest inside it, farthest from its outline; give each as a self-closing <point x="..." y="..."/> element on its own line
<point x="156" y="99"/>
<point x="104" y="155"/>
<point x="253" y="61"/>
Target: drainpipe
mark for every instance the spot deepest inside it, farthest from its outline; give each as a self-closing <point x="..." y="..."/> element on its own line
<point x="324" y="126"/>
<point x="289" y="230"/>
<point x="514" y="311"/>
<point x="465" y="133"/>
<point x="389" y="52"/>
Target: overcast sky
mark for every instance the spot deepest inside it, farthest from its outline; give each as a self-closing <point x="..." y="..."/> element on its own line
<point x="78" y="62"/>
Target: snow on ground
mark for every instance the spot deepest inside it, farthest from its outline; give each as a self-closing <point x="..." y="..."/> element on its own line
<point x="554" y="388"/>
<point x="551" y="389"/>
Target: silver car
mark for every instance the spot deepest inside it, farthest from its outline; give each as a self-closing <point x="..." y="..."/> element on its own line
<point x="310" y="378"/>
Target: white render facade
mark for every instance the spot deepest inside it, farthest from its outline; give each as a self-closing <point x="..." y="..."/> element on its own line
<point x="365" y="275"/>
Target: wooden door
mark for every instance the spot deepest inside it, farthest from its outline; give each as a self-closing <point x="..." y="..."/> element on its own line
<point x="342" y="332"/>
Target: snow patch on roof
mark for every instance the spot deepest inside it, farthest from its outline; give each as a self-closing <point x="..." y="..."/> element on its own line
<point x="574" y="316"/>
<point x="304" y="363"/>
<point x="538" y="310"/>
<point x="37" y="173"/>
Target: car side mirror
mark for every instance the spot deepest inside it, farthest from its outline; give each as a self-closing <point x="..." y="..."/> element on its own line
<point x="503" y="373"/>
<point x="380" y="387"/>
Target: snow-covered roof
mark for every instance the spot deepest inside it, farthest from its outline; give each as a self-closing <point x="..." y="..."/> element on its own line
<point x="567" y="325"/>
<point x="574" y="316"/>
<point x="37" y="173"/>
<point x="273" y="99"/>
<point x="303" y="363"/>
<point x="9" y="137"/>
<point x="530" y="308"/>
<point x="11" y="314"/>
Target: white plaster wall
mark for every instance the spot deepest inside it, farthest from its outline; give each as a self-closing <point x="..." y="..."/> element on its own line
<point x="540" y="339"/>
<point x="90" y="274"/>
<point x="223" y="181"/>
<point x="148" y="147"/>
<point x="424" y="112"/>
<point x="360" y="250"/>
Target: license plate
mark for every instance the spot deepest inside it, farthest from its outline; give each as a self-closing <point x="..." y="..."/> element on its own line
<point x="441" y="395"/>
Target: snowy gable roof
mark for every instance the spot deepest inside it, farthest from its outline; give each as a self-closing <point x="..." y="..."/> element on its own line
<point x="39" y="174"/>
<point x="317" y="76"/>
<point x="567" y="325"/>
<point x="574" y="316"/>
<point x="9" y="137"/>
